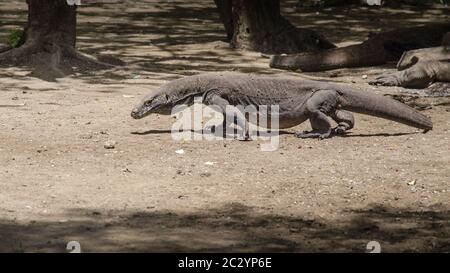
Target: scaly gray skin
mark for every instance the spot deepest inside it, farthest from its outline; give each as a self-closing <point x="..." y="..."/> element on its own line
<point x="419" y="68"/>
<point x="377" y="50"/>
<point x="298" y="100"/>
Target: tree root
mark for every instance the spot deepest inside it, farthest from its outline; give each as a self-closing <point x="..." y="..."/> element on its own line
<point x="49" y="62"/>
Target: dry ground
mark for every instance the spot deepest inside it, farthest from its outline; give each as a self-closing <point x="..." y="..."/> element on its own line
<point x="385" y="181"/>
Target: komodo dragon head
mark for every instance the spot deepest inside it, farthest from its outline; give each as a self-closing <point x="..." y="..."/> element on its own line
<point x="162" y="100"/>
<point x="154" y="103"/>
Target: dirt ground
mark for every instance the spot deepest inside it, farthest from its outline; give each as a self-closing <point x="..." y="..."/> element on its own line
<point x="384" y="182"/>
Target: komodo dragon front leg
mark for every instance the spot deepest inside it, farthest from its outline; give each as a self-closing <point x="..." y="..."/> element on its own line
<point x="321" y="105"/>
<point x="230" y="117"/>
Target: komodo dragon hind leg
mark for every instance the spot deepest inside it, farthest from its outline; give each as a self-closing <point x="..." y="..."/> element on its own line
<point x="321" y="127"/>
<point x="321" y="104"/>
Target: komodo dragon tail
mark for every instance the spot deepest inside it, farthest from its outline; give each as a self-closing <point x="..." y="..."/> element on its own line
<point x="383" y="107"/>
<point x="359" y="55"/>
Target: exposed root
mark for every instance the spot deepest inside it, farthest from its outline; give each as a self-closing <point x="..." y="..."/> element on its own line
<point x="50" y="61"/>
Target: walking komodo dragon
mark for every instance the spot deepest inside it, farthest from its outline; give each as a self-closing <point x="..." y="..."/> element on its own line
<point x="298" y="101"/>
<point x="379" y="49"/>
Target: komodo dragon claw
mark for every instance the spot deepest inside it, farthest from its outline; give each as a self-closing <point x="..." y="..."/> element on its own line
<point x="314" y="134"/>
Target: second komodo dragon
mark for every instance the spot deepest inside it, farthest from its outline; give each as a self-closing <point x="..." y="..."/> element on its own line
<point x="421" y="67"/>
<point x="379" y="49"/>
<point x="298" y="101"/>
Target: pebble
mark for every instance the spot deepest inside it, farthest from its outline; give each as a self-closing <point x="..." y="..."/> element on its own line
<point x="205" y="174"/>
<point x="110" y="144"/>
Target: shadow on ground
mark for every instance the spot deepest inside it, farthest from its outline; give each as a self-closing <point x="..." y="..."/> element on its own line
<point x="233" y="227"/>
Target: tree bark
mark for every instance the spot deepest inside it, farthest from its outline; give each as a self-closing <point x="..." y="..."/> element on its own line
<point x="258" y="25"/>
<point x="225" y="11"/>
<point x="49" y="42"/>
<point x="52" y="21"/>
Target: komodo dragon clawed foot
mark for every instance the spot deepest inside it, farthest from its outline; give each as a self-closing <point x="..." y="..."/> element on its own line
<point x="386" y="80"/>
<point x="314" y="134"/>
<point x="336" y="131"/>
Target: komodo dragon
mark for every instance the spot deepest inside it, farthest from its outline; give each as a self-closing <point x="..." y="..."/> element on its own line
<point x="298" y="101"/>
<point x="420" y="68"/>
<point x="379" y="49"/>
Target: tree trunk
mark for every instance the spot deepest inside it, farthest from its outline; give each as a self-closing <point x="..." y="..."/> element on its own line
<point x="49" y="42"/>
<point x="225" y="11"/>
<point x="258" y="25"/>
<point x="51" y="21"/>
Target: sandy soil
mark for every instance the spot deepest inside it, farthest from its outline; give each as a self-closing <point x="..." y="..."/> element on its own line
<point x="385" y="181"/>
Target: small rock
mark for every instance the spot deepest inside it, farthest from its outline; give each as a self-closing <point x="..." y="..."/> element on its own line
<point x="210" y="163"/>
<point x="110" y="144"/>
<point x="205" y="174"/>
<point x="364" y="77"/>
<point x="294" y="230"/>
<point x="86" y="136"/>
<point x="180" y="152"/>
<point x="412" y="183"/>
